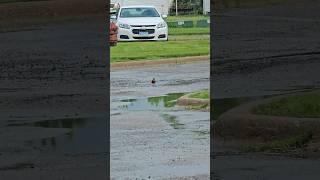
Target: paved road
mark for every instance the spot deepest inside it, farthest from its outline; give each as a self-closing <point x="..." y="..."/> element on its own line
<point x="265" y="51"/>
<point x="49" y="72"/>
<point x="152" y="141"/>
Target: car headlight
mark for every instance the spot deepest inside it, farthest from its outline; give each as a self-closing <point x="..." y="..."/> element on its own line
<point x="124" y="26"/>
<point x="162" y="25"/>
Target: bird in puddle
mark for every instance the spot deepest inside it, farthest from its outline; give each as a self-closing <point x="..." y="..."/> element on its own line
<point x="153" y="81"/>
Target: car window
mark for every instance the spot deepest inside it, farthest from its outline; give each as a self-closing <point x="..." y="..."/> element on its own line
<point x="139" y="12"/>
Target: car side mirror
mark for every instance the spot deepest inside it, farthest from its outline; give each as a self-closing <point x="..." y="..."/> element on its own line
<point x="164" y="16"/>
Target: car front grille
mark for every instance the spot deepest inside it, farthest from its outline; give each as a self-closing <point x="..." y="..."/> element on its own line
<point x="137" y="31"/>
<point x="149" y="37"/>
<point x="143" y="25"/>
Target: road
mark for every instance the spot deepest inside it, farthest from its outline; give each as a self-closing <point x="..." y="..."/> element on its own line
<point x="273" y="50"/>
<point x="53" y="81"/>
<point x="149" y="140"/>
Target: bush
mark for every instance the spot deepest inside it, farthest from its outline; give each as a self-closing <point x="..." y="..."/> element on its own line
<point x="187" y="7"/>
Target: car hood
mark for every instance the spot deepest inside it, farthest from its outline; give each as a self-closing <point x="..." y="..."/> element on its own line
<point x="141" y="21"/>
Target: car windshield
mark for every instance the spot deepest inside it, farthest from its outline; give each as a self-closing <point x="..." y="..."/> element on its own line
<point x="138" y="12"/>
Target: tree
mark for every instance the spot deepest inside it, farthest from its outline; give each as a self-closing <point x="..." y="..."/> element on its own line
<point x="187" y="7"/>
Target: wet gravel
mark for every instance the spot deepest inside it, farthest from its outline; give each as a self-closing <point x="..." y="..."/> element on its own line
<point x="165" y="143"/>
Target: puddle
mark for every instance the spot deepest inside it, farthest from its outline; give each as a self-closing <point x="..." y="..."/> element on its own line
<point x="172" y="120"/>
<point x="156" y="104"/>
<point x="201" y="134"/>
<point x="151" y="103"/>
<point x="86" y="135"/>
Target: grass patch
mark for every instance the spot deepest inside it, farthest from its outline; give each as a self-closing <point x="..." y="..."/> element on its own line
<point x="188" y="31"/>
<point x="158" y="50"/>
<point x="281" y="145"/>
<point x="189" y="37"/>
<point x="198" y="107"/>
<point x="300" y="106"/>
<point x="205" y="94"/>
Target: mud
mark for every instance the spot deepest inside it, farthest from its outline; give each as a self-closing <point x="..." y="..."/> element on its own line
<point x="146" y="63"/>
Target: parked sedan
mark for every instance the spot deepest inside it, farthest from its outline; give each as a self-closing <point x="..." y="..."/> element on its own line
<point x="138" y="23"/>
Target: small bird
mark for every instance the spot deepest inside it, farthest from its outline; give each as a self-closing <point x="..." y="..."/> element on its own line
<point x="153" y="81"/>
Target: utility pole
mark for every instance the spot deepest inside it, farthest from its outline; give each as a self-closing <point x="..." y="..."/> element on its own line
<point x="176" y="7"/>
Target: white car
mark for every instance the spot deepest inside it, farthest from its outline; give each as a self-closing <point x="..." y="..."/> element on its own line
<point x="140" y="23"/>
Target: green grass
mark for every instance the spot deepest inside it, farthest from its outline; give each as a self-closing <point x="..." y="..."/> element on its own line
<point x="205" y="94"/>
<point x="188" y="31"/>
<point x="158" y="50"/>
<point x="280" y="145"/>
<point x="300" y="106"/>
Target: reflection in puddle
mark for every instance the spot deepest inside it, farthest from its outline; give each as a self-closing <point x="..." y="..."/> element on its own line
<point x="129" y="100"/>
<point x="151" y="103"/>
<point x="168" y="101"/>
<point x="86" y="135"/>
<point x="172" y="120"/>
<point x="61" y="123"/>
<point x="201" y="134"/>
<point x="156" y="103"/>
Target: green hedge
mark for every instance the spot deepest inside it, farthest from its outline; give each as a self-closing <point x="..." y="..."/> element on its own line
<point x="189" y="24"/>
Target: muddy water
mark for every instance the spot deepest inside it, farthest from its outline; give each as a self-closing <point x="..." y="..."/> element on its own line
<point x="165" y="141"/>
